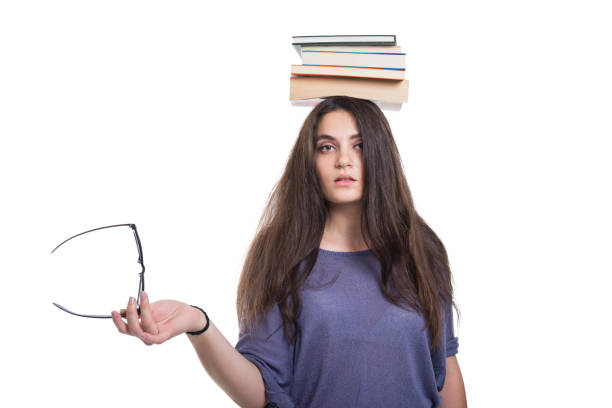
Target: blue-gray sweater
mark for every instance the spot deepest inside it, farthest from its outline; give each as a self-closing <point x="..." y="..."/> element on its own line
<point x="354" y="347"/>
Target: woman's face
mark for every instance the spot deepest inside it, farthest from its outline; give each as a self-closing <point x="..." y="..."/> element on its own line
<point x="338" y="153"/>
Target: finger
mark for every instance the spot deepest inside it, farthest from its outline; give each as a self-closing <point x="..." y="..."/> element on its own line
<point x="132" y="319"/>
<point x="119" y="323"/>
<point x="146" y="342"/>
<point x="156" y="338"/>
<point x="146" y="320"/>
<point x="122" y="327"/>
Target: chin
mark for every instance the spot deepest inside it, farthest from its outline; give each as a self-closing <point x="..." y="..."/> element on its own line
<point x="344" y="200"/>
<point x="340" y="196"/>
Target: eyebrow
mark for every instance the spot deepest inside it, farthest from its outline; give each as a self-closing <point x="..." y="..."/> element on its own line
<point x="328" y="137"/>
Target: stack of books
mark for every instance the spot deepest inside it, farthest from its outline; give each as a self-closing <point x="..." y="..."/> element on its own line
<point x="362" y="66"/>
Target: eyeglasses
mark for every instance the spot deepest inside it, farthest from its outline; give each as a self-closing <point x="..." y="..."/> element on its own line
<point x="141" y="285"/>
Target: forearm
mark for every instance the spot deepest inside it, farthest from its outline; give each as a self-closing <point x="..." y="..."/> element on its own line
<point x="453" y="392"/>
<point x="236" y="375"/>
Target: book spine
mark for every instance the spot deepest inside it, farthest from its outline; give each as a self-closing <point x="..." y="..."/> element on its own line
<point x="356" y="52"/>
<point x="363" y="48"/>
<point x="373" y="89"/>
<point x="319" y="70"/>
<point x="352" y="66"/>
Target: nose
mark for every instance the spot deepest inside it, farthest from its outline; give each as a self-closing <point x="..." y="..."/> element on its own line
<point x="343" y="160"/>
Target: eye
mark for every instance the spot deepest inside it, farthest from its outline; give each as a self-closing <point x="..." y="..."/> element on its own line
<point x="323" y="148"/>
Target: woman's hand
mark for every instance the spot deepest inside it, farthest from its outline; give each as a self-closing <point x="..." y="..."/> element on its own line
<point x="159" y="321"/>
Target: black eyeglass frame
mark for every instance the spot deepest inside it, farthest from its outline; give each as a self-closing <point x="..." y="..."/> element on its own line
<point x="141" y="285"/>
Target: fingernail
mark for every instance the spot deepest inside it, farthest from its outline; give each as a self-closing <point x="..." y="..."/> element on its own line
<point x="132" y="300"/>
<point x="143" y="295"/>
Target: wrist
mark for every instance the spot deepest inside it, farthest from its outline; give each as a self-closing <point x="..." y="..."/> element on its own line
<point x="200" y="322"/>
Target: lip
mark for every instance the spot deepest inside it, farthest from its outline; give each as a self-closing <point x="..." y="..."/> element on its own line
<point x="344" y="182"/>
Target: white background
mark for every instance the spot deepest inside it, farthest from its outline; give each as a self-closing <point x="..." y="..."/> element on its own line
<point x="175" y="116"/>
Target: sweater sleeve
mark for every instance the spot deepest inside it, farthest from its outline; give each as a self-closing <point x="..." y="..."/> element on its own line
<point x="452" y="342"/>
<point x="449" y="347"/>
<point x="267" y="348"/>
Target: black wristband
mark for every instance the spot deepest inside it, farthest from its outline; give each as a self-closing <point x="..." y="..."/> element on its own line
<point x="205" y="327"/>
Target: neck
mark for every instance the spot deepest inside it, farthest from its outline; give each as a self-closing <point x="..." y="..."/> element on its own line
<point x="343" y="228"/>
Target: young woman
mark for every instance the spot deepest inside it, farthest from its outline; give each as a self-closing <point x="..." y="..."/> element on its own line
<point x="345" y="298"/>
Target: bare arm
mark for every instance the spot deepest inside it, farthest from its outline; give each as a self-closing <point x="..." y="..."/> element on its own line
<point x="453" y="392"/>
<point x="236" y="375"/>
<point x="164" y="319"/>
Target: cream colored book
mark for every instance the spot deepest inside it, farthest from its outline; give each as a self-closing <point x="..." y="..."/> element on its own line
<point x="364" y="48"/>
<point x="355" y="59"/>
<point x="392" y="74"/>
<point x="308" y="87"/>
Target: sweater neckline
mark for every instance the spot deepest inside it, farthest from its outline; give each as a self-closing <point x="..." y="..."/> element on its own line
<point x="339" y="253"/>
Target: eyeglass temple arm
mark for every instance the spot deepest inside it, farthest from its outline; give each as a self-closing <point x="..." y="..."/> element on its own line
<point x="122" y="312"/>
<point x="108" y="226"/>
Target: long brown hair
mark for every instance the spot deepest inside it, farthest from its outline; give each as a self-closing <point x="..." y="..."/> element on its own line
<point x="415" y="271"/>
